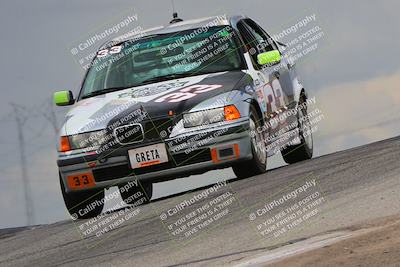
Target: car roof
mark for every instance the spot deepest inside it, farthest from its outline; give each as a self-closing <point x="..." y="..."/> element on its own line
<point x="184" y="25"/>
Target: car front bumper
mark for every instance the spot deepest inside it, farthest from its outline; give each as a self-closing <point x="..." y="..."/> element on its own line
<point x="185" y="157"/>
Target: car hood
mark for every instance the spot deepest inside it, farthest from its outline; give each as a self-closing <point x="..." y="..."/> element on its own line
<point x="96" y="113"/>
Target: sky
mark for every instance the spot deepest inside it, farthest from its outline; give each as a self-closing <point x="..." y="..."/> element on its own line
<point x="354" y="73"/>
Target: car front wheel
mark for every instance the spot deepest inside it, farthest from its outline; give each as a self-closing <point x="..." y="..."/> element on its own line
<point x="258" y="164"/>
<point x="83" y="204"/>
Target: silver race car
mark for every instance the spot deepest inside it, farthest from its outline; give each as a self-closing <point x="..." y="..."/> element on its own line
<point x="179" y="100"/>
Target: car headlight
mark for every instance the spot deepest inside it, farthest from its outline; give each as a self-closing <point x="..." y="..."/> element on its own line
<point x="89" y="141"/>
<point x="210" y="116"/>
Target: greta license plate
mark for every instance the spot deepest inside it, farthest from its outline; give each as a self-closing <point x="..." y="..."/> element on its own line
<point x="148" y="155"/>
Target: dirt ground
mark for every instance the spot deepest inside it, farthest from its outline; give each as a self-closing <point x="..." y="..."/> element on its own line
<point x="378" y="246"/>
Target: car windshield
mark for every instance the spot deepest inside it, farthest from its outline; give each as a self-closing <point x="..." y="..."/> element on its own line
<point x="163" y="57"/>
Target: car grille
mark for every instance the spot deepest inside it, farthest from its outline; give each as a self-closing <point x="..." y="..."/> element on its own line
<point x="121" y="171"/>
<point x="157" y="129"/>
<point x="147" y="131"/>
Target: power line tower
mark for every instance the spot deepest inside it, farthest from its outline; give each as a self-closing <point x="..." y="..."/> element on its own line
<point x="50" y="115"/>
<point x="20" y="120"/>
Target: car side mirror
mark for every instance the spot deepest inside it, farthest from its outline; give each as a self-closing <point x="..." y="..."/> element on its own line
<point x="271" y="57"/>
<point x="63" y="98"/>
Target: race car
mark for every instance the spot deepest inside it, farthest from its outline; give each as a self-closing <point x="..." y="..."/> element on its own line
<point x="179" y="100"/>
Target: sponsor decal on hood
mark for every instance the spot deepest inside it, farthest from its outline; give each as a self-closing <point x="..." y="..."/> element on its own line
<point x="156" y="100"/>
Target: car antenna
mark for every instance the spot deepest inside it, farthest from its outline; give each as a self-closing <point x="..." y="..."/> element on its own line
<point x="175" y="17"/>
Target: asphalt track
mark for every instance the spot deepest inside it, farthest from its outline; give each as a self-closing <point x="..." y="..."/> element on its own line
<point x="339" y="191"/>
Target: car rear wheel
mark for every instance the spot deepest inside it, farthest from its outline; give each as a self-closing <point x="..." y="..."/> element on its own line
<point x="132" y="194"/>
<point x="258" y="164"/>
<point x="304" y="150"/>
<point x="83" y="204"/>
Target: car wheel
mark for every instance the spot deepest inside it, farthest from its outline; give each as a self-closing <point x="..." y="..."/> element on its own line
<point x="304" y="150"/>
<point x="258" y="164"/>
<point x="129" y="195"/>
<point x="83" y="204"/>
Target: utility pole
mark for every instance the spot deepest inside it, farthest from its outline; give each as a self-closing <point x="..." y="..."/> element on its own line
<point x="20" y="120"/>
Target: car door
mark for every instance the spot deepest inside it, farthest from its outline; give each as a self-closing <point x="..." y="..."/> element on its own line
<point x="285" y="73"/>
<point x="267" y="79"/>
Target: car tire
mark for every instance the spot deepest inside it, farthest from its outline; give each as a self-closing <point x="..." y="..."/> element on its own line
<point x="146" y="188"/>
<point x="258" y="164"/>
<point x="81" y="200"/>
<point x="304" y="150"/>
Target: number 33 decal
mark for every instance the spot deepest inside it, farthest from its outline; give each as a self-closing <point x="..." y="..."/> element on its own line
<point x="187" y="93"/>
<point x="112" y="50"/>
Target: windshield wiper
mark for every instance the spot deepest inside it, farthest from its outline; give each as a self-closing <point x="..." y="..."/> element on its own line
<point x="104" y="91"/>
<point x="167" y="77"/>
